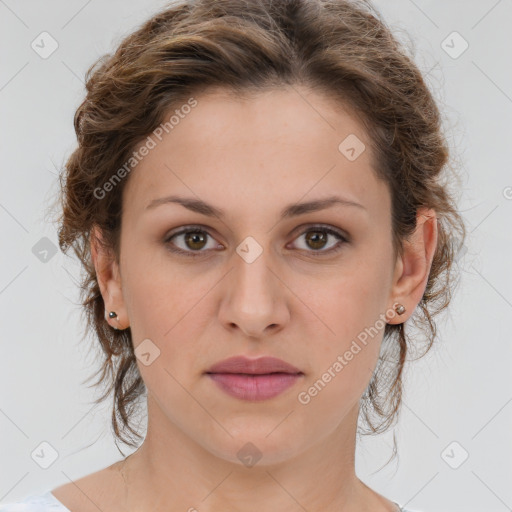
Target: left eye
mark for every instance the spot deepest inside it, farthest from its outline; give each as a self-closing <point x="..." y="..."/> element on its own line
<point x="195" y="239"/>
<point x="317" y="237"/>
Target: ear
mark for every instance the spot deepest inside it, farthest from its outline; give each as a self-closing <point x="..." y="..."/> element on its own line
<point x="109" y="280"/>
<point x="413" y="266"/>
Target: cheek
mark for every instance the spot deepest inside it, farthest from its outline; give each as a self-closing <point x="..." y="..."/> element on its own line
<point x="355" y="295"/>
<point x="157" y="292"/>
<point x="167" y="305"/>
<point x="352" y="308"/>
<point x="343" y="361"/>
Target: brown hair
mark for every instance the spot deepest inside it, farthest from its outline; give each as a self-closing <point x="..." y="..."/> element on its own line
<point x="339" y="47"/>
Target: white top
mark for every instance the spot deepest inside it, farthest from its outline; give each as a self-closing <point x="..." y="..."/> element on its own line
<point x="36" y="503"/>
<point x="47" y="502"/>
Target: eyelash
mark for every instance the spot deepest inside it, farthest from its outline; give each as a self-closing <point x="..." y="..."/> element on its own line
<point x="199" y="229"/>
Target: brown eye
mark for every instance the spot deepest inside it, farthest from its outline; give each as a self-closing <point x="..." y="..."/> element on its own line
<point x="317" y="238"/>
<point x="195" y="239"/>
<point x="190" y="242"/>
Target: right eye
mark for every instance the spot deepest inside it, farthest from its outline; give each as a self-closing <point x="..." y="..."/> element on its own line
<point x="193" y="239"/>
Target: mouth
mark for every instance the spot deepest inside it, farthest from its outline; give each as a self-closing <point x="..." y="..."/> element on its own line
<point x="254" y="379"/>
<point x="259" y="366"/>
<point x="255" y="387"/>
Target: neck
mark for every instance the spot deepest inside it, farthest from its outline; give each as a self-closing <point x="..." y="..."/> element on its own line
<point x="171" y="471"/>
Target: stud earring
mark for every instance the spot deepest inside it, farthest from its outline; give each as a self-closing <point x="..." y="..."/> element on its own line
<point x="400" y="309"/>
<point x="113" y="314"/>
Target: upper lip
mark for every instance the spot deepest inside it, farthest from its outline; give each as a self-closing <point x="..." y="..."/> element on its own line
<point x="262" y="365"/>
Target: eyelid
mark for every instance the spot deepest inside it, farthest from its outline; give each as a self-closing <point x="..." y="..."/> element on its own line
<point x="343" y="238"/>
<point x="328" y="227"/>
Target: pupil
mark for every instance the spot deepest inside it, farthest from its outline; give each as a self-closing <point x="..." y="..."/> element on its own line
<point x="193" y="238"/>
<point x="318" y="237"/>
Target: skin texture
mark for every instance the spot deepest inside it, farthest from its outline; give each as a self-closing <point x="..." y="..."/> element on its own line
<point x="252" y="157"/>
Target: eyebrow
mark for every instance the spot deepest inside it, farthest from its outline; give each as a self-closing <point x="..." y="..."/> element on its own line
<point x="292" y="210"/>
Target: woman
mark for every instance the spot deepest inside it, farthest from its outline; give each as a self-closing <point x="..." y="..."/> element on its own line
<point x="257" y="199"/>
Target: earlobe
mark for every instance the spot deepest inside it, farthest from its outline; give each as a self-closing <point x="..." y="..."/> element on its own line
<point x="109" y="280"/>
<point x="413" y="267"/>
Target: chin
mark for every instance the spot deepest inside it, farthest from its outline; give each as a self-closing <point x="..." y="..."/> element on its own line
<point x="254" y="446"/>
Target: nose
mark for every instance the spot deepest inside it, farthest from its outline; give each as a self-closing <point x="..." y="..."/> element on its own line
<point x="255" y="297"/>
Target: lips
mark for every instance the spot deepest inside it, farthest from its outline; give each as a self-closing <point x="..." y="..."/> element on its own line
<point x="260" y="366"/>
<point x="254" y="379"/>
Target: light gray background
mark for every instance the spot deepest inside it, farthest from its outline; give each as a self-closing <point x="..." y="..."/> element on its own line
<point x="461" y="392"/>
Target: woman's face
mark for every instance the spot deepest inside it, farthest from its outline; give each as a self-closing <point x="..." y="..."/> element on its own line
<point x="253" y="282"/>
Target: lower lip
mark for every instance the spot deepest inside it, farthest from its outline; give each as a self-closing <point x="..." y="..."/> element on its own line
<point x="254" y="387"/>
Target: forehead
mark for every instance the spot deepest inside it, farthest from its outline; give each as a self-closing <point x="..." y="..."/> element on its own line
<point x="265" y="148"/>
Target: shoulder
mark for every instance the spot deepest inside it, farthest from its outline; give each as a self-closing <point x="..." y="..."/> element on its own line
<point x="87" y="494"/>
<point x="102" y="490"/>
<point x="35" y="503"/>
